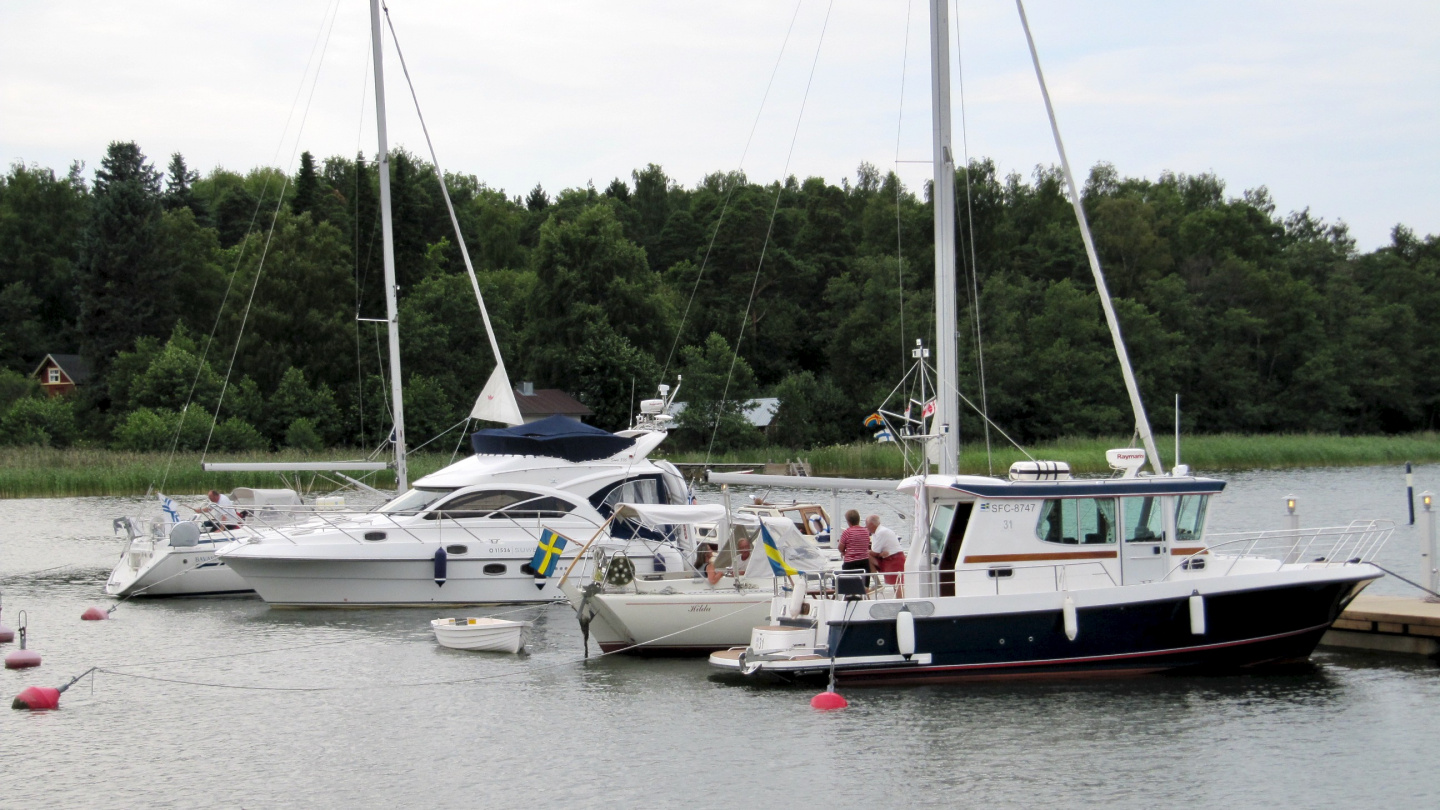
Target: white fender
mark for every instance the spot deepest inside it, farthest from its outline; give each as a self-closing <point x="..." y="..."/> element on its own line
<point x="905" y="632"/>
<point x="1072" y="620"/>
<point x="797" y="599"/>
<point x="1197" y="614"/>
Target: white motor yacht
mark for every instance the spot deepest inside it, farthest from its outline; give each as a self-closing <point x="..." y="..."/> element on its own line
<point x="468" y="534"/>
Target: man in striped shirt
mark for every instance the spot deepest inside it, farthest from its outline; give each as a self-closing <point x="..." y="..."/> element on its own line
<point x="855" y="553"/>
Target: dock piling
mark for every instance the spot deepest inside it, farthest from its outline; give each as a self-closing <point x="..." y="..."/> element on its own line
<point x="1430" y="545"/>
<point x="1410" y="491"/>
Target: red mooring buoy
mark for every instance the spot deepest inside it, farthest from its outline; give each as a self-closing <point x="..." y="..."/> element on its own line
<point x="94" y="614"/>
<point x="37" y="698"/>
<point x="6" y="634"/>
<point x="828" y="701"/>
<point x="22" y="658"/>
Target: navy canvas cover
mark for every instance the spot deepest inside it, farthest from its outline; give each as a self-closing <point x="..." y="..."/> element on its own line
<point x="554" y="436"/>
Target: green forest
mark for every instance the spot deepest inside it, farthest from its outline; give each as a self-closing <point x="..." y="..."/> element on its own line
<point x="242" y="294"/>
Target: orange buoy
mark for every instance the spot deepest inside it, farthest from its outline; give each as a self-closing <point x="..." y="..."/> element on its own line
<point x="94" y="614"/>
<point x="828" y="701"/>
<point x="37" y="698"/>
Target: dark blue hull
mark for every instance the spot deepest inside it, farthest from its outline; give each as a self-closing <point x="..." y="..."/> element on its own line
<point x="1243" y="629"/>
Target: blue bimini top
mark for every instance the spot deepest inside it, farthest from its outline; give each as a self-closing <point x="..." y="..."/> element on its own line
<point x="553" y="437"/>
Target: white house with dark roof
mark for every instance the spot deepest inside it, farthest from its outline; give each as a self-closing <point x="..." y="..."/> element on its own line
<point x="540" y="403"/>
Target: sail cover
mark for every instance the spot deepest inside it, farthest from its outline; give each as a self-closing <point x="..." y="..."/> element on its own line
<point x="555" y="437"/>
<point x="496" y="402"/>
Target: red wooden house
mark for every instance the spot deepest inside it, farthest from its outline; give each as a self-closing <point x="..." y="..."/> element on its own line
<point x="60" y="373"/>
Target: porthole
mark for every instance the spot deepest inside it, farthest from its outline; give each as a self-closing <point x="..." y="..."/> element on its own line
<point x="494" y="569"/>
<point x="457" y="549"/>
<point x="527" y="570"/>
<point x="374" y="535"/>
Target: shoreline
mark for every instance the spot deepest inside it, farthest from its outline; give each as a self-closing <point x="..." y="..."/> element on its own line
<point x="41" y="472"/>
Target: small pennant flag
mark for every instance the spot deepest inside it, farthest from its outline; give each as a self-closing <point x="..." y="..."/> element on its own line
<point x="773" y="555"/>
<point x="929" y="410"/>
<point x="874" y="421"/>
<point x="547" y="554"/>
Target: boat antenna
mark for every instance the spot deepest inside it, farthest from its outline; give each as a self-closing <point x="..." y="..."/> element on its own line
<point x="1177" y="430"/>
<point x="1142" y="423"/>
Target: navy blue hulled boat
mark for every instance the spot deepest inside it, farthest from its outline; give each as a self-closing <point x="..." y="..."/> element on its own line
<point x="1066" y="577"/>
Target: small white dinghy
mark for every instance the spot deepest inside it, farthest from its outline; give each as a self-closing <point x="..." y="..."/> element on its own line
<point x="485" y="633"/>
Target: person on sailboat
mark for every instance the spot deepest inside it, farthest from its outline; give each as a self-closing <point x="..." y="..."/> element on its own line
<point x="222" y="514"/>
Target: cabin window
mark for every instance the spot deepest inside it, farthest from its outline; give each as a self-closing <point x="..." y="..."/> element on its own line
<point x="649" y="489"/>
<point x="494" y="569"/>
<point x="1144" y="520"/>
<point x="54" y="375"/>
<point x="504" y="504"/>
<point x="1077" y="521"/>
<point x="415" y="500"/>
<point x="940" y="527"/>
<point x="1190" y="517"/>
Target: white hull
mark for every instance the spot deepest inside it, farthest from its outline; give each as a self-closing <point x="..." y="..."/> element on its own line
<point x="697" y="617"/>
<point x="170" y="571"/>
<point x="350" y="582"/>
<point x="483" y="634"/>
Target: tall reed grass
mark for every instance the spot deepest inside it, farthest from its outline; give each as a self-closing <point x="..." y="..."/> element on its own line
<point x="1216" y="453"/>
<point x="49" y="472"/>
<point x="37" y="472"/>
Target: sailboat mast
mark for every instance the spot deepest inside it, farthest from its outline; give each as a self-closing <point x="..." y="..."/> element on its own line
<point x="387" y="229"/>
<point x="947" y="394"/>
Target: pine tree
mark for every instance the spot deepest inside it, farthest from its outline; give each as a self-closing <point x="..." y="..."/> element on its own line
<point x="178" y="179"/>
<point x="538" y="199"/>
<point x="307" y="186"/>
<point x="120" y="285"/>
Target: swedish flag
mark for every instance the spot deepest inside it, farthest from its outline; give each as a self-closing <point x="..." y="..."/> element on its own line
<point x="773" y="556"/>
<point x="547" y="554"/>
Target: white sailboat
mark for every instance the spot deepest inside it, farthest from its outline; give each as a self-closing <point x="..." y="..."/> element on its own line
<point x="1044" y="575"/>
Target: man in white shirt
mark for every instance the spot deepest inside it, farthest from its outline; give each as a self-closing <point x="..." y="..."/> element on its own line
<point x="885" y="550"/>
<point x="222" y="514"/>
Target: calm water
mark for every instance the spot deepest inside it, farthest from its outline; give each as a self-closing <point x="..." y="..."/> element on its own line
<point x="384" y="722"/>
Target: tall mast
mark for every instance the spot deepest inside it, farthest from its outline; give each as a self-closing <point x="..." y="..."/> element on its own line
<point x="1142" y="422"/>
<point x="947" y="394"/>
<point x="391" y="307"/>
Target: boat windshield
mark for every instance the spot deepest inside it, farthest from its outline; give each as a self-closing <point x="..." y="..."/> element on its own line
<point x="415" y="501"/>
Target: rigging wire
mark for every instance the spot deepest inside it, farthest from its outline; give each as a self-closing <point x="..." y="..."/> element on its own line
<point x="974" y="268"/>
<point x="332" y="11"/>
<point x="769" y="230"/>
<point x="270" y="236"/>
<point x="355" y="255"/>
<point x="899" y="235"/>
<point x="730" y="192"/>
<point x="445" y="192"/>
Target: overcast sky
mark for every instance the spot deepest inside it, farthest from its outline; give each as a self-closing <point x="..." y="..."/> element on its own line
<point x="1332" y="105"/>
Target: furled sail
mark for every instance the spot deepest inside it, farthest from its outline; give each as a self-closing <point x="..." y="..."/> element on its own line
<point x="497" y="400"/>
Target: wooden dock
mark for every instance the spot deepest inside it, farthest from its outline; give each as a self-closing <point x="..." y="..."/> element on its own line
<point x="1396" y="624"/>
